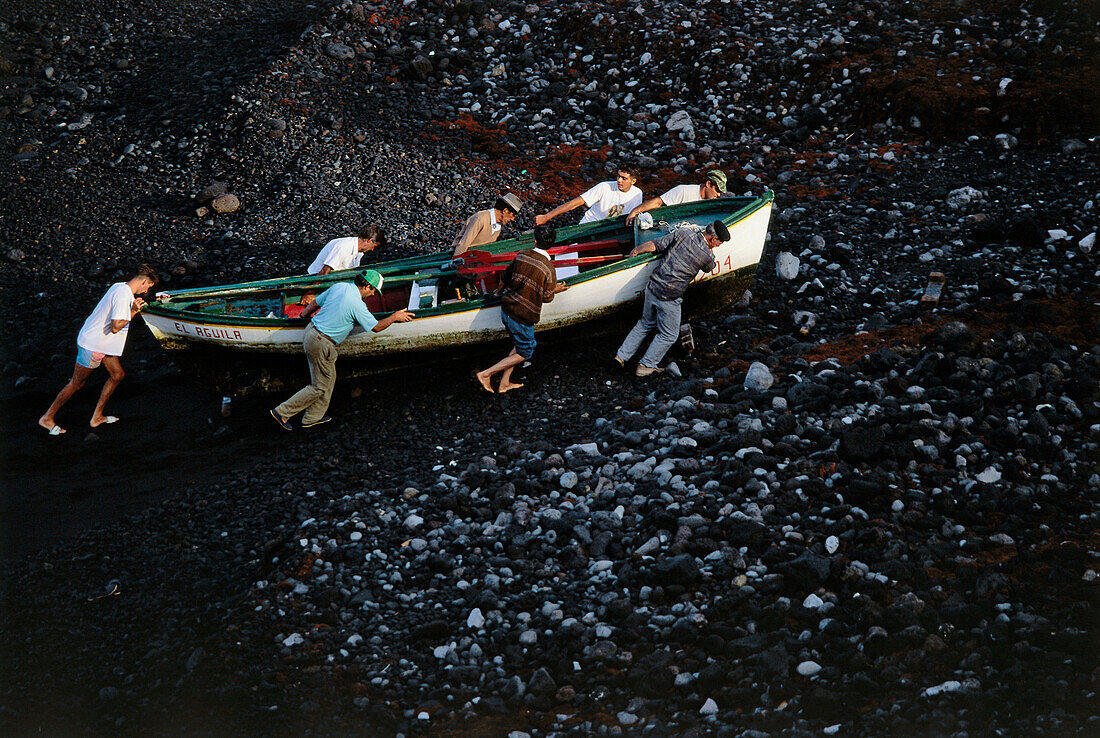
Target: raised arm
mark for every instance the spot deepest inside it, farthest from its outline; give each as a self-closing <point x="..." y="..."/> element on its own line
<point x="118" y="324"/>
<point x="573" y="204"/>
<point x="655" y="202"/>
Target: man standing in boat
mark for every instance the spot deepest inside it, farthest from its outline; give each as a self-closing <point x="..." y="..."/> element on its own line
<point x="605" y="200"/>
<point x="713" y="186"/>
<point x="347" y="253"/>
<point x="485" y="226"/>
<point x="101" y="341"/>
<point x="528" y="282"/>
<point x="334" y="313"/>
<point x="687" y="252"/>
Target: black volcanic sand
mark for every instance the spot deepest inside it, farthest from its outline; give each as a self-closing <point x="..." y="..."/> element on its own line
<point x="884" y="527"/>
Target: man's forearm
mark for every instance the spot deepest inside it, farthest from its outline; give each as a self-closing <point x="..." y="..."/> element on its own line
<point x="653" y="202"/>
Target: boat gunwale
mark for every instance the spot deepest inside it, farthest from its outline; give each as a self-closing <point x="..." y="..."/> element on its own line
<point x="164" y="310"/>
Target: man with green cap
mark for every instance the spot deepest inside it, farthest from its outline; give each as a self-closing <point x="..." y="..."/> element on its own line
<point x="334" y="313"/>
<point x="713" y="186"/>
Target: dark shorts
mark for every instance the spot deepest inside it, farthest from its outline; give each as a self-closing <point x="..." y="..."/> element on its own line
<point x="523" y="336"/>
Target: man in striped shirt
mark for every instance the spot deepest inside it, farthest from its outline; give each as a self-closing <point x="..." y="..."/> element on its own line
<point x="528" y="283"/>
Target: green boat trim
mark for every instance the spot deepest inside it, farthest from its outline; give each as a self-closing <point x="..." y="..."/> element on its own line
<point x="436" y="265"/>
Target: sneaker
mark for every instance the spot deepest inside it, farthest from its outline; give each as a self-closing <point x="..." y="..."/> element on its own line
<point x="645" y="371"/>
<point x="284" y="424"/>
<point x="325" y="419"/>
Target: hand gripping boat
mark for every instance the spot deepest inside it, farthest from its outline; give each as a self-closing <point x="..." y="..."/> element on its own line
<point x="239" y="336"/>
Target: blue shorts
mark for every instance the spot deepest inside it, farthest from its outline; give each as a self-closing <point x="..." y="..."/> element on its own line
<point x="88" y="359"/>
<point x="523" y="336"/>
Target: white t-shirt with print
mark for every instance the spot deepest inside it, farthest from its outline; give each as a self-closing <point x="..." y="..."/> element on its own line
<point x="680" y="194"/>
<point x="95" y="335"/>
<point x="339" y="253"/>
<point x="605" y="200"/>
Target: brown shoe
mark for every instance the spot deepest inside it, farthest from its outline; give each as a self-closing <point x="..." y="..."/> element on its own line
<point x="645" y="371"/>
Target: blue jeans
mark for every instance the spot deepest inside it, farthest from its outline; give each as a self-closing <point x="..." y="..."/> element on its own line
<point x="664" y="315"/>
<point x="523" y="335"/>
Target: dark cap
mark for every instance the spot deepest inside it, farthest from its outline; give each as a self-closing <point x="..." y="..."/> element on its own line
<point x="719" y="230"/>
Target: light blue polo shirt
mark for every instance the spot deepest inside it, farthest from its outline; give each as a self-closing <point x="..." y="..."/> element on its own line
<point x="341" y="308"/>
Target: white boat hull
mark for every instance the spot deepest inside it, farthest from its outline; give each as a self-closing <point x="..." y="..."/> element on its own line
<point x="584" y="301"/>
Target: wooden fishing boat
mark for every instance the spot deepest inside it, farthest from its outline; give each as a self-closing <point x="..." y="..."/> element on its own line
<point x="241" y="337"/>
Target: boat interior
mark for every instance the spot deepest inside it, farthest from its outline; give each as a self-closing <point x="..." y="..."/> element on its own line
<point x="476" y="272"/>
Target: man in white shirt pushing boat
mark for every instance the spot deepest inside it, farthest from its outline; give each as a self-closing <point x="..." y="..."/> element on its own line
<point x="347" y="253"/>
<point x="101" y="341"/>
<point x="713" y="186"/>
<point x="605" y="200"/>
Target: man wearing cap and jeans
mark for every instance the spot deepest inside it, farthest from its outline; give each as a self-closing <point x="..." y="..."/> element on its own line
<point x="713" y="186"/>
<point x="687" y="252"/>
<point x="335" y="312"/>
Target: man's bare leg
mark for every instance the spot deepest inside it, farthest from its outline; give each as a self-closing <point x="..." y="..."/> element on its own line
<point x="80" y="376"/>
<point x="114" y="376"/>
<point x="506" y="383"/>
<point x="508" y="362"/>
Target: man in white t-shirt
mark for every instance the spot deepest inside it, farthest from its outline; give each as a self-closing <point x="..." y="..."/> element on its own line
<point x="347" y="253"/>
<point x="605" y="200"/>
<point x="713" y="186"/>
<point x="101" y="341"/>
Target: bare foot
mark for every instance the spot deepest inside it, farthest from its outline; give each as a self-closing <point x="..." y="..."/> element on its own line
<point x="102" y="420"/>
<point x="507" y="387"/>
<point x="486" y="385"/>
<point x="52" y="427"/>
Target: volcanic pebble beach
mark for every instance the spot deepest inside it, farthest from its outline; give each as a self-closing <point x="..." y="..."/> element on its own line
<point x="847" y="512"/>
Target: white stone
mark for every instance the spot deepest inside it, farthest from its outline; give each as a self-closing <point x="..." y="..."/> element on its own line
<point x="809" y="668"/>
<point x="568" y="480"/>
<point x="414" y="521"/>
<point x="897" y="505"/>
<point x="710" y="707"/>
<point x="759" y="378"/>
<point x="832" y="729"/>
<point x="355" y="639"/>
<point x="1086" y="243"/>
<point x="475" y="619"/>
<point x="963" y="197"/>
<point x="948" y="686"/>
<point x="679" y="121"/>
<point x="1005" y="141"/>
<point x="786" y="265"/>
<point x="293" y="639"/>
<point x="989" y="476"/>
<point x="528" y="637"/>
<point x="627" y="718"/>
<point x="832" y="543"/>
<point x="812" y="602"/>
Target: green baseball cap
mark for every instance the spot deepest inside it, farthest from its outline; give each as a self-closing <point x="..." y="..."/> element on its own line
<point x="718" y="178"/>
<point x="373" y="278"/>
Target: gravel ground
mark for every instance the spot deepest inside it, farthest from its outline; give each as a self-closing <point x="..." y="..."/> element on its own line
<point x="846" y="516"/>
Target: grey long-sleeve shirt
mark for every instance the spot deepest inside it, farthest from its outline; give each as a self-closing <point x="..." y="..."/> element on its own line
<point x="688" y="254"/>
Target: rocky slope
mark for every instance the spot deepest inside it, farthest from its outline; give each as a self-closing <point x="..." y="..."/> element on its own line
<point x="884" y="524"/>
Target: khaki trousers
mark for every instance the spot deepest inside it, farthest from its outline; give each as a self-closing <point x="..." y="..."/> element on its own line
<point x="314" y="398"/>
